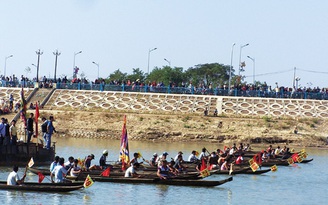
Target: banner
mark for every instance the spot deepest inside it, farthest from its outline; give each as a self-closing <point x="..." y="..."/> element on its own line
<point x="88" y="182"/>
<point x="31" y="162"/>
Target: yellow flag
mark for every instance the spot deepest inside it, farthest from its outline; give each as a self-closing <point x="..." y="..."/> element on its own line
<point x="254" y="166"/>
<point x="139" y="155"/>
<point x="251" y="161"/>
<point x="81" y="162"/>
<point x="31" y="162"/>
<point x="274" y="168"/>
<point x="299" y="159"/>
<point x="88" y="182"/>
<point x="205" y="173"/>
<point x="290" y="161"/>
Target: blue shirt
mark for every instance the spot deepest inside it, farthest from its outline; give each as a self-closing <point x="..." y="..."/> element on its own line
<point x="50" y="127"/>
<point x="59" y="172"/>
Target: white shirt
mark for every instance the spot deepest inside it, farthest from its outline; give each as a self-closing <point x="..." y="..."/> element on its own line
<point x="130" y="171"/>
<point x="192" y="158"/>
<point x="12" y="178"/>
<point x="202" y="155"/>
<point x="77" y="168"/>
<point x="59" y="171"/>
<point x="232" y="150"/>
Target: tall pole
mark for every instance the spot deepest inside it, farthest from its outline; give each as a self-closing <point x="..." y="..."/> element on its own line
<point x="4" y="70"/>
<point x="253" y="59"/>
<point x="241" y="47"/>
<point x="169" y="62"/>
<point x="39" y="53"/>
<point x="150" y="50"/>
<point x="294" y="78"/>
<point x="97" y="64"/>
<point x="56" y="54"/>
<point x="74" y="62"/>
<point x="233" y="45"/>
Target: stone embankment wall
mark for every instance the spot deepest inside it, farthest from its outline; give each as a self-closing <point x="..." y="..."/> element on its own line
<point x="175" y="104"/>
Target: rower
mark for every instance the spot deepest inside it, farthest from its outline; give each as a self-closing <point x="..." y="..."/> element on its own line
<point x="69" y="163"/>
<point x="179" y="154"/>
<point x="163" y="171"/>
<point x="54" y="163"/>
<point x="213" y="159"/>
<point x="203" y="154"/>
<point x="131" y="171"/>
<point x="58" y="172"/>
<point x="152" y="161"/>
<point x="135" y="159"/>
<point x="102" y="161"/>
<point x="87" y="162"/>
<point x="13" y="178"/>
<point x="76" y="169"/>
<point x="161" y="158"/>
<point x="192" y="158"/>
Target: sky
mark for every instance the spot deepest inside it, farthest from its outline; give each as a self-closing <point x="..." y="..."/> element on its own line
<point x="282" y="35"/>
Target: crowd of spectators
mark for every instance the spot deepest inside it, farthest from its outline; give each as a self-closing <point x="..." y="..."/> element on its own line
<point x="242" y="89"/>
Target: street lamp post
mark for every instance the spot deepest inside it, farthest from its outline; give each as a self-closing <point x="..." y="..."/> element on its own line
<point x="241" y="47"/>
<point x="4" y="70"/>
<point x="150" y="50"/>
<point x="169" y="62"/>
<point x="253" y="59"/>
<point x="74" y="62"/>
<point x="39" y="53"/>
<point x="297" y="79"/>
<point x="56" y="54"/>
<point x="97" y="64"/>
<point x="233" y="45"/>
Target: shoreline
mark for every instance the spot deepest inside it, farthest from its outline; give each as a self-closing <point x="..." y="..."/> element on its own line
<point x="189" y="128"/>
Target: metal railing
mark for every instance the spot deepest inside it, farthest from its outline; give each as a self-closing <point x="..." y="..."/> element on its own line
<point x="183" y="90"/>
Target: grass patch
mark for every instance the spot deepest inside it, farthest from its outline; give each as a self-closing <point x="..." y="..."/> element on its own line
<point x="166" y="120"/>
<point x="186" y="126"/>
<point x="267" y="119"/>
<point x="185" y="119"/>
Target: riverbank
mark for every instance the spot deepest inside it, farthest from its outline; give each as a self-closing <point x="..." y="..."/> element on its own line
<point x="311" y="132"/>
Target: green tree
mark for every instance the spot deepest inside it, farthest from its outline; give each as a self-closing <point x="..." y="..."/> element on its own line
<point x="167" y="75"/>
<point x="214" y="73"/>
<point x="117" y="75"/>
<point x="136" y="74"/>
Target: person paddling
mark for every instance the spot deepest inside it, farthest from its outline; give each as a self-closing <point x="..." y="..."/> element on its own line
<point x="131" y="172"/>
<point x="13" y="178"/>
<point x="163" y="171"/>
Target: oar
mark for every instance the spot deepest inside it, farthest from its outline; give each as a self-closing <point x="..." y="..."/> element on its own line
<point x="230" y="172"/>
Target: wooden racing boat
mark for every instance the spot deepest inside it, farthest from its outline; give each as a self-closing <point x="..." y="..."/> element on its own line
<point x="42" y="187"/>
<point x="176" y="182"/>
<point x="243" y="171"/>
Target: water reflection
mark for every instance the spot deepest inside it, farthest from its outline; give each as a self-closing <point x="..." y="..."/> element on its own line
<point x="229" y="197"/>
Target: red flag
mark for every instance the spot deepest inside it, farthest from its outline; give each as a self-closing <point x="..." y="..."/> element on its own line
<point x="37" y="114"/>
<point x="295" y="157"/>
<point x="106" y="172"/>
<point x="41" y="177"/>
<point x="203" y="166"/>
<point x="258" y="158"/>
<point x="124" y="151"/>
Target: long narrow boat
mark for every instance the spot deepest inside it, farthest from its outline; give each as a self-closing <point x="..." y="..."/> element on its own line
<point x="42" y="187"/>
<point x="149" y="175"/>
<point x="47" y="171"/>
<point x="243" y="171"/>
<point x="176" y="182"/>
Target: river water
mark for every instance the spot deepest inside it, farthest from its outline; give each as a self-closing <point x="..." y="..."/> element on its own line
<point x="298" y="184"/>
